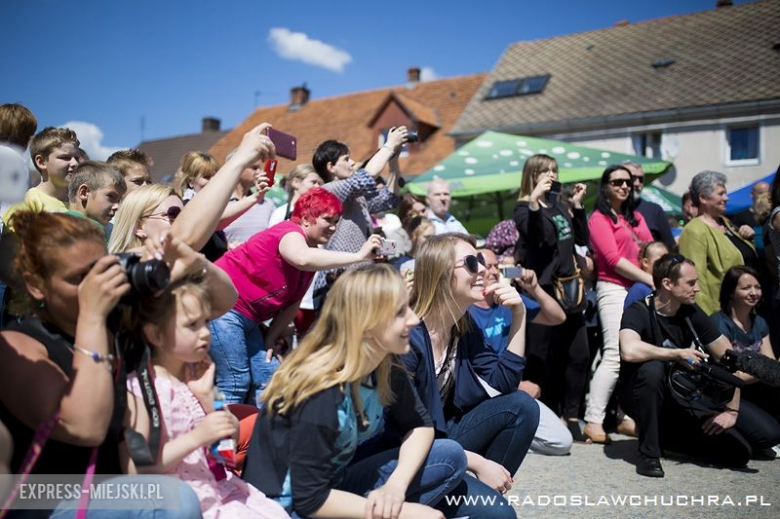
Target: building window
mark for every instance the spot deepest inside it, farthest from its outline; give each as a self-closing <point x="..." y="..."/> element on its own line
<point x="742" y="145"/>
<point x="647" y="144"/>
<point x="518" y="87"/>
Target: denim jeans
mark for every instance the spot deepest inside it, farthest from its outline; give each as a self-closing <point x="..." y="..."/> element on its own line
<point x="440" y="473"/>
<point x="187" y="507"/>
<point x="475" y="500"/>
<point x="238" y="352"/>
<point x="501" y="428"/>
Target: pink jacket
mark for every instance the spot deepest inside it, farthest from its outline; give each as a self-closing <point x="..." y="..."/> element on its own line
<point x="611" y="241"/>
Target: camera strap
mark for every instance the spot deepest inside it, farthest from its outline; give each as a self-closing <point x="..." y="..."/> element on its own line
<point x="142" y="452"/>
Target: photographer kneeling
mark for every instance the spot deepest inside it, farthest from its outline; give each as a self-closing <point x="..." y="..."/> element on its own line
<point x="655" y="336"/>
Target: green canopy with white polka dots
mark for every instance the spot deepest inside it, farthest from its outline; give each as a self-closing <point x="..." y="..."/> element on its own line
<point x="494" y="162"/>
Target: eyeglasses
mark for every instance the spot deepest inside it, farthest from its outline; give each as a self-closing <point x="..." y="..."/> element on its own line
<point x="471" y="262"/>
<point x="639" y="179"/>
<point x="677" y="258"/>
<point x="620" y="182"/>
<point x="170" y="214"/>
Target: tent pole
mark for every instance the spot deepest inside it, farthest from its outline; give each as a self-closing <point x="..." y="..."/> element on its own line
<point x="500" y="202"/>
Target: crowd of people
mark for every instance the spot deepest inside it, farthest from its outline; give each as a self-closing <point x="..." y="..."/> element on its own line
<point x="355" y="352"/>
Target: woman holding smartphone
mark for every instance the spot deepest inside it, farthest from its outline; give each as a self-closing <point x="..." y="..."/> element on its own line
<point x="549" y="233"/>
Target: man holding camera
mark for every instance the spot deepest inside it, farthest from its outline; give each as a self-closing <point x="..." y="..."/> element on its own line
<point x="656" y="333"/>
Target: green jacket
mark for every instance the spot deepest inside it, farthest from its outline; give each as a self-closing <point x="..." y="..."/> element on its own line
<point x="713" y="254"/>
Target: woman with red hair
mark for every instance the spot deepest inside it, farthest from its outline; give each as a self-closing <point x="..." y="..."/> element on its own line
<point x="272" y="271"/>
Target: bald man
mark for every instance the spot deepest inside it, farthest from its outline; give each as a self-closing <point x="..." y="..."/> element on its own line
<point x="748" y="216"/>
<point x="438" y="200"/>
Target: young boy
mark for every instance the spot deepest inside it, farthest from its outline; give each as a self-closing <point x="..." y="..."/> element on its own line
<point x="17" y="126"/>
<point x="134" y="166"/>
<point x="54" y="152"/>
<point x="95" y="191"/>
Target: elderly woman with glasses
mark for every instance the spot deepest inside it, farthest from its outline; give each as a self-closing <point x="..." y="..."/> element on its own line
<point x="711" y="241"/>
<point x="617" y="232"/>
<point x="469" y="389"/>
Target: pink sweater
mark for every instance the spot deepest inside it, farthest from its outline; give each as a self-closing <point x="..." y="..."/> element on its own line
<point x="612" y="241"/>
<point x="266" y="283"/>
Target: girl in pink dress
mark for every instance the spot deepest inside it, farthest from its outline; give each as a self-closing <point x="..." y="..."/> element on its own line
<point x="174" y="326"/>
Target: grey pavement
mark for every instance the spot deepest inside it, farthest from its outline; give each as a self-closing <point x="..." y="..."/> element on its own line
<point x="589" y="482"/>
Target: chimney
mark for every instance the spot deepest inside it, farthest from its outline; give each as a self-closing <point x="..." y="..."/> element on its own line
<point x="299" y="96"/>
<point x="412" y="76"/>
<point x="723" y="3"/>
<point x="210" y="124"/>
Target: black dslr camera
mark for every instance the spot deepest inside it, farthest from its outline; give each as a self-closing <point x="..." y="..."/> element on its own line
<point x="145" y="277"/>
<point x="412" y="136"/>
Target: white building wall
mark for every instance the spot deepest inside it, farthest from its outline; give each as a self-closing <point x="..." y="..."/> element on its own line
<point x="693" y="147"/>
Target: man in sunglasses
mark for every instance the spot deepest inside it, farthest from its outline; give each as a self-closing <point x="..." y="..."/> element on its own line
<point x="658" y="331"/>
<point x="653" y="213"/>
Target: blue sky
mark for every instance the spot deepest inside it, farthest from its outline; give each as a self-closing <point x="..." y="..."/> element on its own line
<point x="112" y="63"/>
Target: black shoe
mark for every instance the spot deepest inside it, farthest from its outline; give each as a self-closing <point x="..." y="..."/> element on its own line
<point x="650" y="467"/>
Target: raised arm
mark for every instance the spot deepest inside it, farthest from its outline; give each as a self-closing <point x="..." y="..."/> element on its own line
<point x="395" y="139"/>
<point x="295" y="251"/>
<point x="200" y="217"/>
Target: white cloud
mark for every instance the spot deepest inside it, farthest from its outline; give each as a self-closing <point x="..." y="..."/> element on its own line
<point x="91" y="139"/>
<point x="298" y="46"/>
<point x="428" y="74"/>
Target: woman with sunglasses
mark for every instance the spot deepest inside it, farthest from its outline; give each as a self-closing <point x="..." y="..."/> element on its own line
<point x="617" y="232"/>
<point x="158" y="208"/>
<point x="470" y="390"/>
<point x="548" y="233"/>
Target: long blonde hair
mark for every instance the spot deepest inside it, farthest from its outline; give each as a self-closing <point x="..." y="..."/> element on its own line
<point x="193" y="165"/>
<point x="531" y="169"/>
<point x="137" y="204"/>
<point x="338" y="350"/>
<point x="432" y="289"/>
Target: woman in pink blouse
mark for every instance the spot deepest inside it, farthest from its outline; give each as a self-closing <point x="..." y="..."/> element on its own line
<point x="616" y="234"/>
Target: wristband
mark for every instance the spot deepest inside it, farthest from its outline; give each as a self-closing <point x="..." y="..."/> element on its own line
<point x="96" y="357"/>
<point x="392" y="151"/>
<point x="731" y="410"/>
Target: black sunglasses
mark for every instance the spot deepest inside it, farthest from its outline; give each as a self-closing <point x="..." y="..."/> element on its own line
<point x="620" y="182"/>
<point x="170" y="214"/>
<point x="472" y="262"/>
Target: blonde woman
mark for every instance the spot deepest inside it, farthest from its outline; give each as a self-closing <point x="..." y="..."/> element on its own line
<point x="146" y="212"/>
<point x="195" y="171"/>
<point x="300" y="180"/>
<point x="330" y="394"/>
<point x="470" y="390"/>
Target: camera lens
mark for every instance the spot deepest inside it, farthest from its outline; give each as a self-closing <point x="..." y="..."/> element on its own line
<point x="412" y="137"/>
<point x="149" y="277"/>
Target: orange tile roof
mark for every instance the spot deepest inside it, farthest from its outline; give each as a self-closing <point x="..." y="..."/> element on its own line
<point x="346" y="118"/>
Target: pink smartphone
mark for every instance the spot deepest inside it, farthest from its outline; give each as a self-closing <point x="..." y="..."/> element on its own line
<point x="285" y="144"/>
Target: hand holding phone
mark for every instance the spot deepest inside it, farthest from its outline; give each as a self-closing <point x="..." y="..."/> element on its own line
<point x="270" y="170"/>
<point x="388" y="248"/>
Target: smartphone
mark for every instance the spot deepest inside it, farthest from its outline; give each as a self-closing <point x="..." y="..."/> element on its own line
<point x="555" y="187"/>
<point x="285" y="144"/>
<point x="510" y="271"/>
<point x="270" y="170"/>
<point x="388" y="248"/>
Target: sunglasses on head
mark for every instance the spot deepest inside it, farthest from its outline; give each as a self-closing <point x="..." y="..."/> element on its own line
<point x="471" y="262"/>
<point x="170" y="214"/>
<point x="617" y="182"/>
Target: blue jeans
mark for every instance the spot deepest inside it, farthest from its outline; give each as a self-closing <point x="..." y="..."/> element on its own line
<point x="501" y="429"/>
<point x="475" y="500"/>
<point x="185" y="506"/>
<point x="441" y="472"/>
<point x="238" y="352"/>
